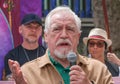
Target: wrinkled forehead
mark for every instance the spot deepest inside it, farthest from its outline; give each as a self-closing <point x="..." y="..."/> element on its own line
<point x="63" y="15"/>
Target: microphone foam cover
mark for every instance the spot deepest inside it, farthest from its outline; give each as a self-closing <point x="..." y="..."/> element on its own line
<point x="72" y="57"/>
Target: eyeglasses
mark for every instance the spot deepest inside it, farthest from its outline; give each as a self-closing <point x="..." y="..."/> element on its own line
<point x="98" y="44"/>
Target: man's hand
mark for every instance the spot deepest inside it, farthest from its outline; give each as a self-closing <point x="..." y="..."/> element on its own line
<point x="16" y="72"/>
<point x="78" y="76"/>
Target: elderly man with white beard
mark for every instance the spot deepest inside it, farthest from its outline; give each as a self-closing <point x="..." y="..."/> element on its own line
<point x="62" y="33"/>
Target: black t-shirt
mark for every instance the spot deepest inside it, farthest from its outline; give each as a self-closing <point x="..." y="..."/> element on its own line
<point x="18" y="54"/>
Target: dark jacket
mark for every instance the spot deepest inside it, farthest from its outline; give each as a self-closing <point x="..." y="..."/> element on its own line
<point x="113" y="68"/>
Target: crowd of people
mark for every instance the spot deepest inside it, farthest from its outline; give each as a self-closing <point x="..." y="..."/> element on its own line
<point x="31" y="63"/>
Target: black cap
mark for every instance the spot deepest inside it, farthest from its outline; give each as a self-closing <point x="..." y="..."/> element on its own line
<point x="31" y="18"/>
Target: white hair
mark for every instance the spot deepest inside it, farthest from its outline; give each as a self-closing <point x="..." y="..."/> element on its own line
<point x="62" y="8"/>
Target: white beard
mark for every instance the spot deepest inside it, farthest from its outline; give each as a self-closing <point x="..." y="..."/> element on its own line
<point x="61" y="53"/>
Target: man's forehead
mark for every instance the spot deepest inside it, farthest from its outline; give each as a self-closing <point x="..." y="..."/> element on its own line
<point x="58" y="18"/>
<point x="62" y="15"/>
<point x="33" y="22"/>
<point x="70" y="24"/>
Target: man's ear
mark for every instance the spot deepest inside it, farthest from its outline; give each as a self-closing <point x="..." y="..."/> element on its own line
<point x="78" y="38"/>
<point x="20" y="29"/>
<point x="46" y="37"/>
<point x="79" y="34"/>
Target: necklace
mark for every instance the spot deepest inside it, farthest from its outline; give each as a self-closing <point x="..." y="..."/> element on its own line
<point x="26" y="55"/>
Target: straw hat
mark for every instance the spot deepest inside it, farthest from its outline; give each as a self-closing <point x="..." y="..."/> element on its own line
<point x="99" y="34"/>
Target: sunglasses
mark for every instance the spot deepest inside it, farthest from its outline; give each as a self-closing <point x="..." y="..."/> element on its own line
<point x="98" y="44"/>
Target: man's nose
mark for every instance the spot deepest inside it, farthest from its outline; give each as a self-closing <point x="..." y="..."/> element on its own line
<point x="64" y="33"/>
<point x="33" y="29"/>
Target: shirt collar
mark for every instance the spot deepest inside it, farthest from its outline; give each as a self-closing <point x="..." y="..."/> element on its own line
<point x="47" y="59"/>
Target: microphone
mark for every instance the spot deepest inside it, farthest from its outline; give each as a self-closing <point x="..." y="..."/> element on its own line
<point x="89" y="55"/>
<point x="72" y="57"/>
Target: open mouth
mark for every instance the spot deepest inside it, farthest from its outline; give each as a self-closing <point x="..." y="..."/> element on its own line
<point x="64" y="44"/>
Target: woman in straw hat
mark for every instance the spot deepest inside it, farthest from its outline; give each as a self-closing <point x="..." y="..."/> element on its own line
<point x="97" y="43"/>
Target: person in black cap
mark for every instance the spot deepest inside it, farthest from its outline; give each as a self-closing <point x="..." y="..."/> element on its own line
<point x="30" y="29"/>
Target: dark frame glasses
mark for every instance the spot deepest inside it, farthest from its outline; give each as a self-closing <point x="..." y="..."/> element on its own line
<point x="99" y="44"/>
